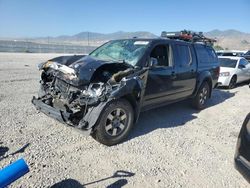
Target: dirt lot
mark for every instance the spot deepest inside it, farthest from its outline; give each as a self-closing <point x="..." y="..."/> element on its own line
<point x="173" y="146"/>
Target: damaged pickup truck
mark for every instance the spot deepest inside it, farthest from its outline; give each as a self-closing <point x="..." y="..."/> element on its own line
<point x="103" y="93"/>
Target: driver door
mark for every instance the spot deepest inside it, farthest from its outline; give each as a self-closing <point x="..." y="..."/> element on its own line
<point x="161" y="77"/>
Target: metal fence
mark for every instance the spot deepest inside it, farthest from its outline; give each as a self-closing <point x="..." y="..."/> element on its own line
<point x="33" y="47"/>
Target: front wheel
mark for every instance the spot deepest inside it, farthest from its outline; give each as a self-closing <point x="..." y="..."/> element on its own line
<point x="232" y="82"/>
<point x="115" y="123"/>
<point x="202" y="96"/>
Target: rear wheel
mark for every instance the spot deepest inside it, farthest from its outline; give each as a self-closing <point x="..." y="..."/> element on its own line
<point x="115" y="123"/>
<point x="232" y="82"/>
<point x="202" y="96"/>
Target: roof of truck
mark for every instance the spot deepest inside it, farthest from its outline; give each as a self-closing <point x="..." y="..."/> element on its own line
<point x="161" y="39"/>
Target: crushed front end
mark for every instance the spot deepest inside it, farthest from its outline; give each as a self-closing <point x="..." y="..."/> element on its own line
<point x="75" y="93"/>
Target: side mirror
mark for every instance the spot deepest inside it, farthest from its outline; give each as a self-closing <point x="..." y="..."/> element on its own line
<point x="153" y="62"/>
<point x="242" y="66"/>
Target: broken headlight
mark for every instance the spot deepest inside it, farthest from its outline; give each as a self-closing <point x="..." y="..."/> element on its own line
<point x="94" y="93"/>
<point x="44" y="65"/>
<point x="94" y="90"/>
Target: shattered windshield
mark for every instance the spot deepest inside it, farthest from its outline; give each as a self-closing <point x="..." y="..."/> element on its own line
<point x="129" y="51"/>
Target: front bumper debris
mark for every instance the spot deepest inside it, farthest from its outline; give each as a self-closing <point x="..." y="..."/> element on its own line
<point x="59" y="115"/>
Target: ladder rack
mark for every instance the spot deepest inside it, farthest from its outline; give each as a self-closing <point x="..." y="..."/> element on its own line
<point x="188" y="36"/>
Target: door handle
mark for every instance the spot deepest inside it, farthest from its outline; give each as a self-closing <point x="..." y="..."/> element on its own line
<point x="173" y="75"/>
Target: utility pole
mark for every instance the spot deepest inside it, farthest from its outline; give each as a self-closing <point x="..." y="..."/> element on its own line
<point x="88" y="38"/>
<point x="26" y="45"/>
<point x="48" y="45"/>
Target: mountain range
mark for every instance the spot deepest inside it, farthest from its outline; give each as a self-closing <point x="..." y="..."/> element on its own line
<point x="110" y="36"/>
<point x="231" y="39"/>
<point x="227" y="39"/>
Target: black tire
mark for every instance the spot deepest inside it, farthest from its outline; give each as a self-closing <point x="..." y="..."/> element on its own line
<point x="115" y="123"/>
<point x="232" y="82"/>
<point x="199" y="101"/>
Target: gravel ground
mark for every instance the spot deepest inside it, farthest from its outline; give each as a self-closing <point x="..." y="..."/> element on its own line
<point x="173" y="146"/>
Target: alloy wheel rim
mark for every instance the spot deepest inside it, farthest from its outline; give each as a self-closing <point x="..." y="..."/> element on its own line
<point x="116" y="122"/>
<point x="232" y="83"/>
<point x="203" y="96"/>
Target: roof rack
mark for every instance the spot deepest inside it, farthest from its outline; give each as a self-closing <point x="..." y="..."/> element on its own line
<point x="188" y="36"/>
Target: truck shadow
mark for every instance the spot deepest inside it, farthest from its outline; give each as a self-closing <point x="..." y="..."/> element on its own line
<point x="71" y="183"/>
<point x="174" y="115"/>
<point x="121" y="174"/>
<point x="67" y="183"/>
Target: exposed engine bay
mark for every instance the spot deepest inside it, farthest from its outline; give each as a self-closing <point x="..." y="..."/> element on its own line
<point x="80" y="88"/>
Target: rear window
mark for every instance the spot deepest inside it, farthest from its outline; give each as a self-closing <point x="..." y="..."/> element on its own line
<point x="224" y="62"/>
<point x="205" y="54"/>
<point x="184" y="55"/>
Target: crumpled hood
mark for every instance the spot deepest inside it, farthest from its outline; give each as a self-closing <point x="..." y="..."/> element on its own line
<point x="86" y="66"/>
<point x="84" y="69"/>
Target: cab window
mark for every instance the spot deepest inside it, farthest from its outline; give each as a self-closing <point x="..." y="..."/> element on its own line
<point x="163" y="55"/>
